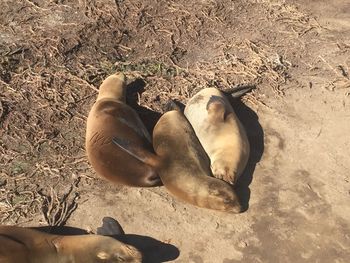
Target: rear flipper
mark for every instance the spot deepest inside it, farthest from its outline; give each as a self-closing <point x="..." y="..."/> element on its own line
<point x="174" y="105"/>
<point x="239" y="90"/>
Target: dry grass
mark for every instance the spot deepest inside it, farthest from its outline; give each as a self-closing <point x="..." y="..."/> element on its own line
<point x="57" y="210"/>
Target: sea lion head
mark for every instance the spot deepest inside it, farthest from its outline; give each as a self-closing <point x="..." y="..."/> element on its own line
<point x="109" y="250"/>
<point x="113" y="87"/>
<point x="233" y="205"/>
<point x="115" y="253"/>
<point x="224" y="197"/>
<point x="95" y="248"/>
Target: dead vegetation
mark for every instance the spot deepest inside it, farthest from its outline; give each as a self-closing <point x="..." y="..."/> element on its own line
<point x="57" y="210"/>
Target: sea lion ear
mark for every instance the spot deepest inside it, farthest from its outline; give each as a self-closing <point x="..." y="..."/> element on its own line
<point x="102" y="255"/>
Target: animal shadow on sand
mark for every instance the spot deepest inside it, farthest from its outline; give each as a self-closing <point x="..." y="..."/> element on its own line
<point x="250" y="121"/>
<point x="148" y="117"/>
<point x="153" y="250"/>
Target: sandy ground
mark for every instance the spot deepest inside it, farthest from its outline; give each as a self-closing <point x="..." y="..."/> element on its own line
<point x="296" y="187"/>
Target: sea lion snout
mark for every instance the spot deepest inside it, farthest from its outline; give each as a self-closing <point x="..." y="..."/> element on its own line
<point x="224" y="196"/>
<point x="153" y="180"/>
<point x="233" y="205"/>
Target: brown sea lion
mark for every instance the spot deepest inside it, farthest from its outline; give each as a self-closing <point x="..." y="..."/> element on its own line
<point x="111" y="119"/>
<point x="220" y="132"/>
<point x="24" y="245"/>
<point x="184" y="166"/>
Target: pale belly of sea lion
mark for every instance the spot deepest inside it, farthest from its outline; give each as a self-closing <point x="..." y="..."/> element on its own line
<point x="220" y="133"/>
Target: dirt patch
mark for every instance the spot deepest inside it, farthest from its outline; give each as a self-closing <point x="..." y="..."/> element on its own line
<point x="54" y="54"/>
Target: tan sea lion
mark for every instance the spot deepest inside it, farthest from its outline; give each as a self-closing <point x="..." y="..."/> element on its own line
<point x="184" y="166"/>
<point x="220" y="132"/>
<point x="24" y="245"/>
<point x="112" y="120"/>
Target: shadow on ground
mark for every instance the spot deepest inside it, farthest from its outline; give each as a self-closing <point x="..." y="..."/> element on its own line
<point x="61" y="230"/>
<point x="255" y="133"/>
<point x="153" y="250"/>
<point x="148" y="117"/>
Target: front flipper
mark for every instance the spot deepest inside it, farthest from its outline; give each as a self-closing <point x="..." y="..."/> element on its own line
<point x="136" y="151"/>
<point x="110" y="227"/>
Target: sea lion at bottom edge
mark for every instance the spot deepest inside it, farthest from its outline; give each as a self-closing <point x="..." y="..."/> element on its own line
<point x="184" y="166"/>
<point x="112" y="122"/>
<point x="220" y="132"/>
<point x="24" y="245"/>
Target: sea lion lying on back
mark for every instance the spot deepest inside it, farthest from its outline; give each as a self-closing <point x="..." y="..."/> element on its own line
<point x="112" y="120"/>
<point x="24" y="245"/>
<point x="220" y="132"/>
<point x="184" y="166"/>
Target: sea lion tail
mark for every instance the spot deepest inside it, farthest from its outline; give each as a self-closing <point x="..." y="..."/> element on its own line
<point x="239" y="90"/>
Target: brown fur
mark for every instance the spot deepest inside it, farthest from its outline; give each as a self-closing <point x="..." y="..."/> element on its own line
<point x="220" y="133"/>
<point x="111" y="118"/>
<point x="185" y="168"/>
<point x="24" y="245"/>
